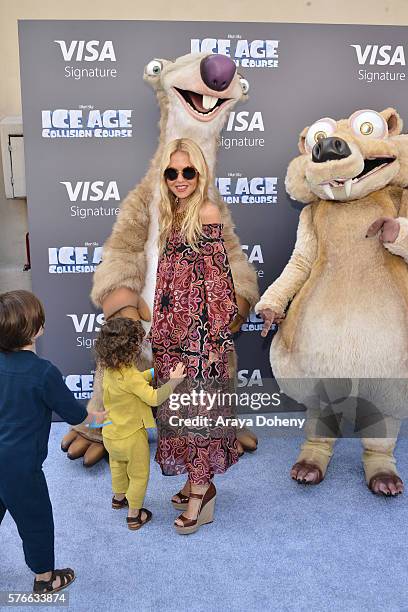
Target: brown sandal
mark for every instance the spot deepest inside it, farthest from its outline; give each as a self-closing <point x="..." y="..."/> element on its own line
<point x="66" y="576"/>
<point x="182" y="504"/>
<point x="205" y="514"/>
<point x="117" y="504"/>
<point x="136" y="522"/>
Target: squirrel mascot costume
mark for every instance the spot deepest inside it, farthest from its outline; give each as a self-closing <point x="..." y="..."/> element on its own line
<point x="347" y="286"/>
<point x="196" y="93"/>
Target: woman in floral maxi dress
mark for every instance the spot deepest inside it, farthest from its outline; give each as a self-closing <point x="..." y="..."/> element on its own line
<point x="193" y="307"/>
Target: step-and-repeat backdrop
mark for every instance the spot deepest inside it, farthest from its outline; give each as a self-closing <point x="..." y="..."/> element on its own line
<point x="89" y="73"/>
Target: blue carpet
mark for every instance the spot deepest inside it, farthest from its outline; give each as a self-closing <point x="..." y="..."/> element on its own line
<point x="274" y="545"/>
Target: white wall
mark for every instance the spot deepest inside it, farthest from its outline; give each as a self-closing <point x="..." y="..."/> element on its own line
<point x="13" y="213"/>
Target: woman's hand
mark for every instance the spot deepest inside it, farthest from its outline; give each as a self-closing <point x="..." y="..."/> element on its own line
<point x="270" y="317"/>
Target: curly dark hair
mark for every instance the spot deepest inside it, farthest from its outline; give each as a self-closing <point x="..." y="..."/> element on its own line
<point x="119" y="342"/>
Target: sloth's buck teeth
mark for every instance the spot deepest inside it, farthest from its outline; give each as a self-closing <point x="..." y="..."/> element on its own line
<point x="209" y="102"/>
<point x="204" y="114"/>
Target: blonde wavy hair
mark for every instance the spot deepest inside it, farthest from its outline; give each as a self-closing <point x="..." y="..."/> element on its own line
<point x="191" y="227"/>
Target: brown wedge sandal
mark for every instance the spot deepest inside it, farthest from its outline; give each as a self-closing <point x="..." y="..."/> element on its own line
<point x="182" y="504"/>
<point x="117" y="504"/>
<point x="136" y="522"/>
<point x="66" y="576"/>
<point x="205" y="513"/>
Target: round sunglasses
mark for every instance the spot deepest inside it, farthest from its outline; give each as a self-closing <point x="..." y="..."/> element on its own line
<point x="188" y="173"/>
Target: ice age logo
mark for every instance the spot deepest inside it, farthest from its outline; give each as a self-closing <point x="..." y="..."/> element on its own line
<point x="253" y="323"/>
<point x="84" y="123"/>
<point x="237" y="189"/>
<point x="74" y="259"/>
<point x="81" y="385"/>
<point x="245" y="53"/>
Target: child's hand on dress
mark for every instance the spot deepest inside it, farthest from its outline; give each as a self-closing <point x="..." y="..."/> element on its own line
<point x="178" y="373"/>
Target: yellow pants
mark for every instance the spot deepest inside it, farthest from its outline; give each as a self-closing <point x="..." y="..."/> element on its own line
<point x="129" y="460"/>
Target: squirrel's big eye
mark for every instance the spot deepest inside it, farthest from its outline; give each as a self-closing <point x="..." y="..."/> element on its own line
<point x="369" y="123"/>
<point x="320" y="129"/>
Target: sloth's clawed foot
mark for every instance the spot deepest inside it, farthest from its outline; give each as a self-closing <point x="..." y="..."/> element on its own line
<point x="306" y="473"/>
<point x="386" y="484"/>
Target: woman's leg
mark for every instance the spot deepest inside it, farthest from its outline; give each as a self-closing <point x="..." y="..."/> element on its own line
<point x="199" y="480"/>
<point x="184" y="491"/>
<point x="194" y="503"/>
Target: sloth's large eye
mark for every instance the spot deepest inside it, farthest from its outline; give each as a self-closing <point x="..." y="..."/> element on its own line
<point x="244" y="85"/>
<point x="369" y="123"/>
<point x="154" y="68"/>
<point x="321" y="129"/>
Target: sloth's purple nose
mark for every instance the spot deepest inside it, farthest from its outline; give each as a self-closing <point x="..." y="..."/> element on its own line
<point x="217" y="71"/>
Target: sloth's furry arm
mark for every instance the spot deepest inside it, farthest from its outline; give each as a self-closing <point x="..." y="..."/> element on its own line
<point x="400" y="245"/>
<point x="297" y="271"/>
<point x="243" y="273"/>
<point x="123" y="262"/>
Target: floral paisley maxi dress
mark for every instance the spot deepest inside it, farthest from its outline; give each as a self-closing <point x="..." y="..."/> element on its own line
<point x="194" y="305"/>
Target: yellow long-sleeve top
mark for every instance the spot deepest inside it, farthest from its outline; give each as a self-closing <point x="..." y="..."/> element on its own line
<point x="128" y="397"/>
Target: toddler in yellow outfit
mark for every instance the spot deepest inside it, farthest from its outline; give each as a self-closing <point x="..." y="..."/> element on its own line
<point x="128" y="397"/>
